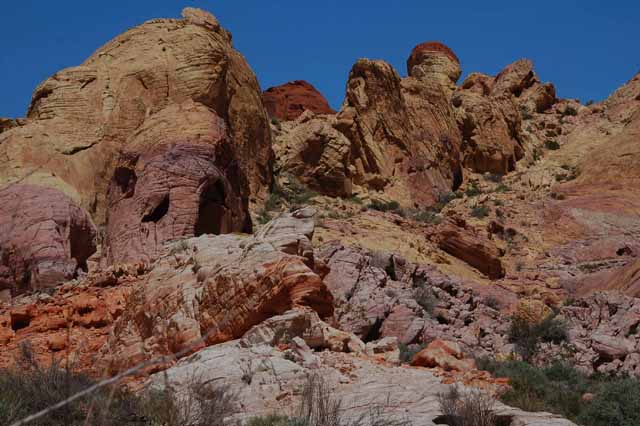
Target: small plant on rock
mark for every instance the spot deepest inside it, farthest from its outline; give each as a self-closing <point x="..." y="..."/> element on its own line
<point x="480" y="212"/>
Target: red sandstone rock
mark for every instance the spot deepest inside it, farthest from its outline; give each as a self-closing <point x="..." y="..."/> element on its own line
<point x="288" y="101"/>
<point x="45" y="238"/>
<point x="471" y="247"/>
<point x="444" y="354"/>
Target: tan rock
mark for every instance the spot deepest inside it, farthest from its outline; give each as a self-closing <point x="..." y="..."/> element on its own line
<point x="81" y="116"/>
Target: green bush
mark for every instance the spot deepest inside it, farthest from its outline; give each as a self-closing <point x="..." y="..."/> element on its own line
<point x="617" y="403"/>
<point x="558" y="388"/>
<point x="551" y="145"/>
<point x="473" y="190"/>
<point x="528" y="336"/>
<point x="480" y="212"/>
<point x="384" y="206"/>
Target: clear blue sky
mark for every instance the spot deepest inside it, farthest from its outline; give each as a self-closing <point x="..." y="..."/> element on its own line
<point x="586" y="48"/>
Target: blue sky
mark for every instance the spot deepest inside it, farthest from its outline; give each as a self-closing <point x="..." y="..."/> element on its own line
<point x="586" y="48"/>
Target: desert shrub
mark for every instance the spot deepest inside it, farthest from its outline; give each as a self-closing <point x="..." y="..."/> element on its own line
<point x="474" y="408"/>
<point x="320" y="407"/>
<point x="493" y="177"/>
<point x="264" y="216"/>
<point x="31" y="387"/>
<point x="480" y="212"/>
<point x="551" y="145"/>
<point x="502" y="188"/>
<point x="493" y="302"/>
<point x="473" y="190"/>
<point x="558" y="388"/>
<point x="427" y="216"/>
<point x="527" y="336"/>
<point x="589" y="102"/>
<point x="384" y="206"/>
<point x="618" y="403"/>
<point x="200" y="405"/>
<point x="570" y="110"/>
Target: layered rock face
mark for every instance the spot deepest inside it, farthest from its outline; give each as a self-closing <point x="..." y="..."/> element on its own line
<point x="288" y="101"/>
<point x="404" y="139"/>
<point x="45" y="238"/>
<point x="489" y="115"/>
<point x="173" y="182"/>
<point x="162" y="131"/>
<point x="214" y="288"/>
<point x="84" y="114"/>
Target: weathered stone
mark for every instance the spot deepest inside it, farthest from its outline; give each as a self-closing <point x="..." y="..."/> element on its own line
<point x="45" y="238"/>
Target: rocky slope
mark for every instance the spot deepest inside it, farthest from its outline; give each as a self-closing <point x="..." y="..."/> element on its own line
<point x="150" y="212"/>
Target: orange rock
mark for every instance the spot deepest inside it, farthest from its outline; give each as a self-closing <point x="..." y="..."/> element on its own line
<point x="443" y="354"/>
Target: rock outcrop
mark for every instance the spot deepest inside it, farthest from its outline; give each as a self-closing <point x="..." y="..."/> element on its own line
<point x="432" y="61"/>
<point x="79" y="118"/>
<point x="443" y="354"/>
<point x="45" y="238"/>
<point x="468" y="245"/>
<point x="267" y="378"/>
<point x="317" y="154"/>
<point x="490" y="113"/>
<point x="175" y="181"/>
<point x="403" y="138"/>
<point x="288" y="101"/>
<point x="212" y="289"/>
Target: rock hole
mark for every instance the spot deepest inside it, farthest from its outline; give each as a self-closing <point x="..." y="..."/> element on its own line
<point x="457" y="178"/>
<point x="81" y="245"/>
<point x="159" y="212"/>
<point x="126" y="179"/>
<point x="212" y="210"/>
<point x="374" y="332"/>
<point x="624" y="251"/>
<point x="19" y="322"/>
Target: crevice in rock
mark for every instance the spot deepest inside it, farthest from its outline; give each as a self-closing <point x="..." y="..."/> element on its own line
<point x="159" y="212"/>
<point x="126" y="179"/>
<point x="212" y="210"/>
<point x="374" y="332"/>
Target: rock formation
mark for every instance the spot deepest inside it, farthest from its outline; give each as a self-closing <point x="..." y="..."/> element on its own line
<point x="84" y="114"/>
<point x="288" y="101"/>
<point x="45" y="238"/>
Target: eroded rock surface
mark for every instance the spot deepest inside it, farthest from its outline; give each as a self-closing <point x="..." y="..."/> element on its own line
<point x="45" y="238"/>
<point x="83" y="115"/>
<point x="212" y="289"/>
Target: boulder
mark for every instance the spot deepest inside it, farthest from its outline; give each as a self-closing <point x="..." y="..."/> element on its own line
<point x="443" y="354"/>
<point x="288" y="101"/>
<point x="45" y="238"/>
<point x="468" y="245"/>
<point x="403" y="136"/>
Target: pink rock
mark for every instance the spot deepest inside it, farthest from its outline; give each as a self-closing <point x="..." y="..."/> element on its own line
<point x="45" y="238"/>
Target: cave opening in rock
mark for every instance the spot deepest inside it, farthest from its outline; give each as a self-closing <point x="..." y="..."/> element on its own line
<point x="81" y="245"/>
<point x="211" y="210"/>
<point x="126" y="179"/>
<point x="158" y="212"/>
